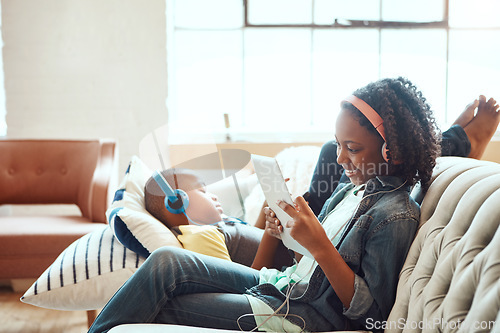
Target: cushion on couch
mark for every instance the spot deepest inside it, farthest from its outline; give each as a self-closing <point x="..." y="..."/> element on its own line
<point x="85" y="275"/>
<point x="132" y="224"/>
<point x="29" y="244"/>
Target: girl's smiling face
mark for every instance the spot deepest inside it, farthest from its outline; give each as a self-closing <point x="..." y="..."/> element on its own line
<point x="359" y="151"/>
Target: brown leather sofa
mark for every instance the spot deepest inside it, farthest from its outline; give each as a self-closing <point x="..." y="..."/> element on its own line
<point x="81" y="172"/>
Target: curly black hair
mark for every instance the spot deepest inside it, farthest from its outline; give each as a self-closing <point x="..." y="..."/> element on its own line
<point x="412" y="135"/>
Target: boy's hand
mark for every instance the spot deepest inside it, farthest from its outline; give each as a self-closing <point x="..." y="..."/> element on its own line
<point x="273" y="225"/>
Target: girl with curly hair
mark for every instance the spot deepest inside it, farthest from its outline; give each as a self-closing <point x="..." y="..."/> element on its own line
<point x="410" y="130"/>
<point x="468" y="136"/>
<point x="387" y="141"/>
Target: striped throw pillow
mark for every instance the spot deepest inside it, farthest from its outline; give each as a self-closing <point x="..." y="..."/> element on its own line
<point x="85" y="275"/>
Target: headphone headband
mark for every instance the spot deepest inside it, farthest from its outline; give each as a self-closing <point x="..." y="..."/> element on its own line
<point x="164" y="185"/>
<point x="370" y="114"/>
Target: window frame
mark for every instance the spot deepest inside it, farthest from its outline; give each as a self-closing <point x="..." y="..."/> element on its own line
<point x="379" y="25"/>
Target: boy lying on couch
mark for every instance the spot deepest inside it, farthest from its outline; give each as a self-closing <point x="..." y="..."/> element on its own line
<point x="203" y="227"/>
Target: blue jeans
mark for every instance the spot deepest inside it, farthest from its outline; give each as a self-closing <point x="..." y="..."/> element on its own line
<point x="176" y="286"/>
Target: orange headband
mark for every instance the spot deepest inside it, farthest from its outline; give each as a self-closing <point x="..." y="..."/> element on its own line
<point x="372" y="115"/>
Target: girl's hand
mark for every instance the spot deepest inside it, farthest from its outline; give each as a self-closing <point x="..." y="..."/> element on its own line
<point x="273" y="225"/>
<point x="306" y="229"/>
<point x="261" y="219"/>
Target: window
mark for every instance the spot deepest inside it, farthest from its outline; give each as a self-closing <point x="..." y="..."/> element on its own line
<point x="279" y="68"/>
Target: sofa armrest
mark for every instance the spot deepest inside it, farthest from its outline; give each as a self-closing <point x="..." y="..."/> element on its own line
<point x="105" y="179"/>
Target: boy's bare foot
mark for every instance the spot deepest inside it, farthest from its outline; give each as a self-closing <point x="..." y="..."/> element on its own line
<point x="481" y="128"/>
<point x="467" y="115"/>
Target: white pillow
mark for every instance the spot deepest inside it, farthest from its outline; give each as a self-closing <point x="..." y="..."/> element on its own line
<point x="131" y="223"/>
<point x="85" y="275"/>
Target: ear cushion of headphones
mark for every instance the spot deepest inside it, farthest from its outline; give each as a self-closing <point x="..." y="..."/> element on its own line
<point x="385" y="154"/>
<point x="180" y="205"/>
<point x="385" y="151"/>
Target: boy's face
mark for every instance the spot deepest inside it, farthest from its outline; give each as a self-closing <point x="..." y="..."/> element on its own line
<point x="359" y="151"/>
<point x="204" y="207"/>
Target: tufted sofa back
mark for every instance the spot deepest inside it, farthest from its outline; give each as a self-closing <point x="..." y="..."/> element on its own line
<point x="58" y="172"/>
<point x="451" y="278"/>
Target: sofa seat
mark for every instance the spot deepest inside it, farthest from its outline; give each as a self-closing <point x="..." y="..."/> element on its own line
<point x="159" y="328"/>
<point x="29" y="244"/>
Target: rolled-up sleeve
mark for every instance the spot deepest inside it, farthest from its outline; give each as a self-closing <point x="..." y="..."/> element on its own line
<point x="361" y="301"/>
<point x="376" y="282"/>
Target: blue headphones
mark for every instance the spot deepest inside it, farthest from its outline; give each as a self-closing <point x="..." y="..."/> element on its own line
<point x="175" y="201"/>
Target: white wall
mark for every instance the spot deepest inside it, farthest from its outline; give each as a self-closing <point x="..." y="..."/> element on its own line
<point x="85" y="69"/>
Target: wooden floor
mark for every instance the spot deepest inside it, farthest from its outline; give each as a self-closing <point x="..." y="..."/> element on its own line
<point x="15" y="316"/>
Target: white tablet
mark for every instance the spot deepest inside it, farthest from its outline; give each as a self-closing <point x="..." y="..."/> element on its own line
<point x="274" y="187"/>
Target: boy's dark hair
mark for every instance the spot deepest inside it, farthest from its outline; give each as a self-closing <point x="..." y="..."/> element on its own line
<point x="410" y="128"/>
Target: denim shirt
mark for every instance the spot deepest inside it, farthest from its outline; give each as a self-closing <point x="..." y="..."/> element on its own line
<point x="374" y="245"/>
